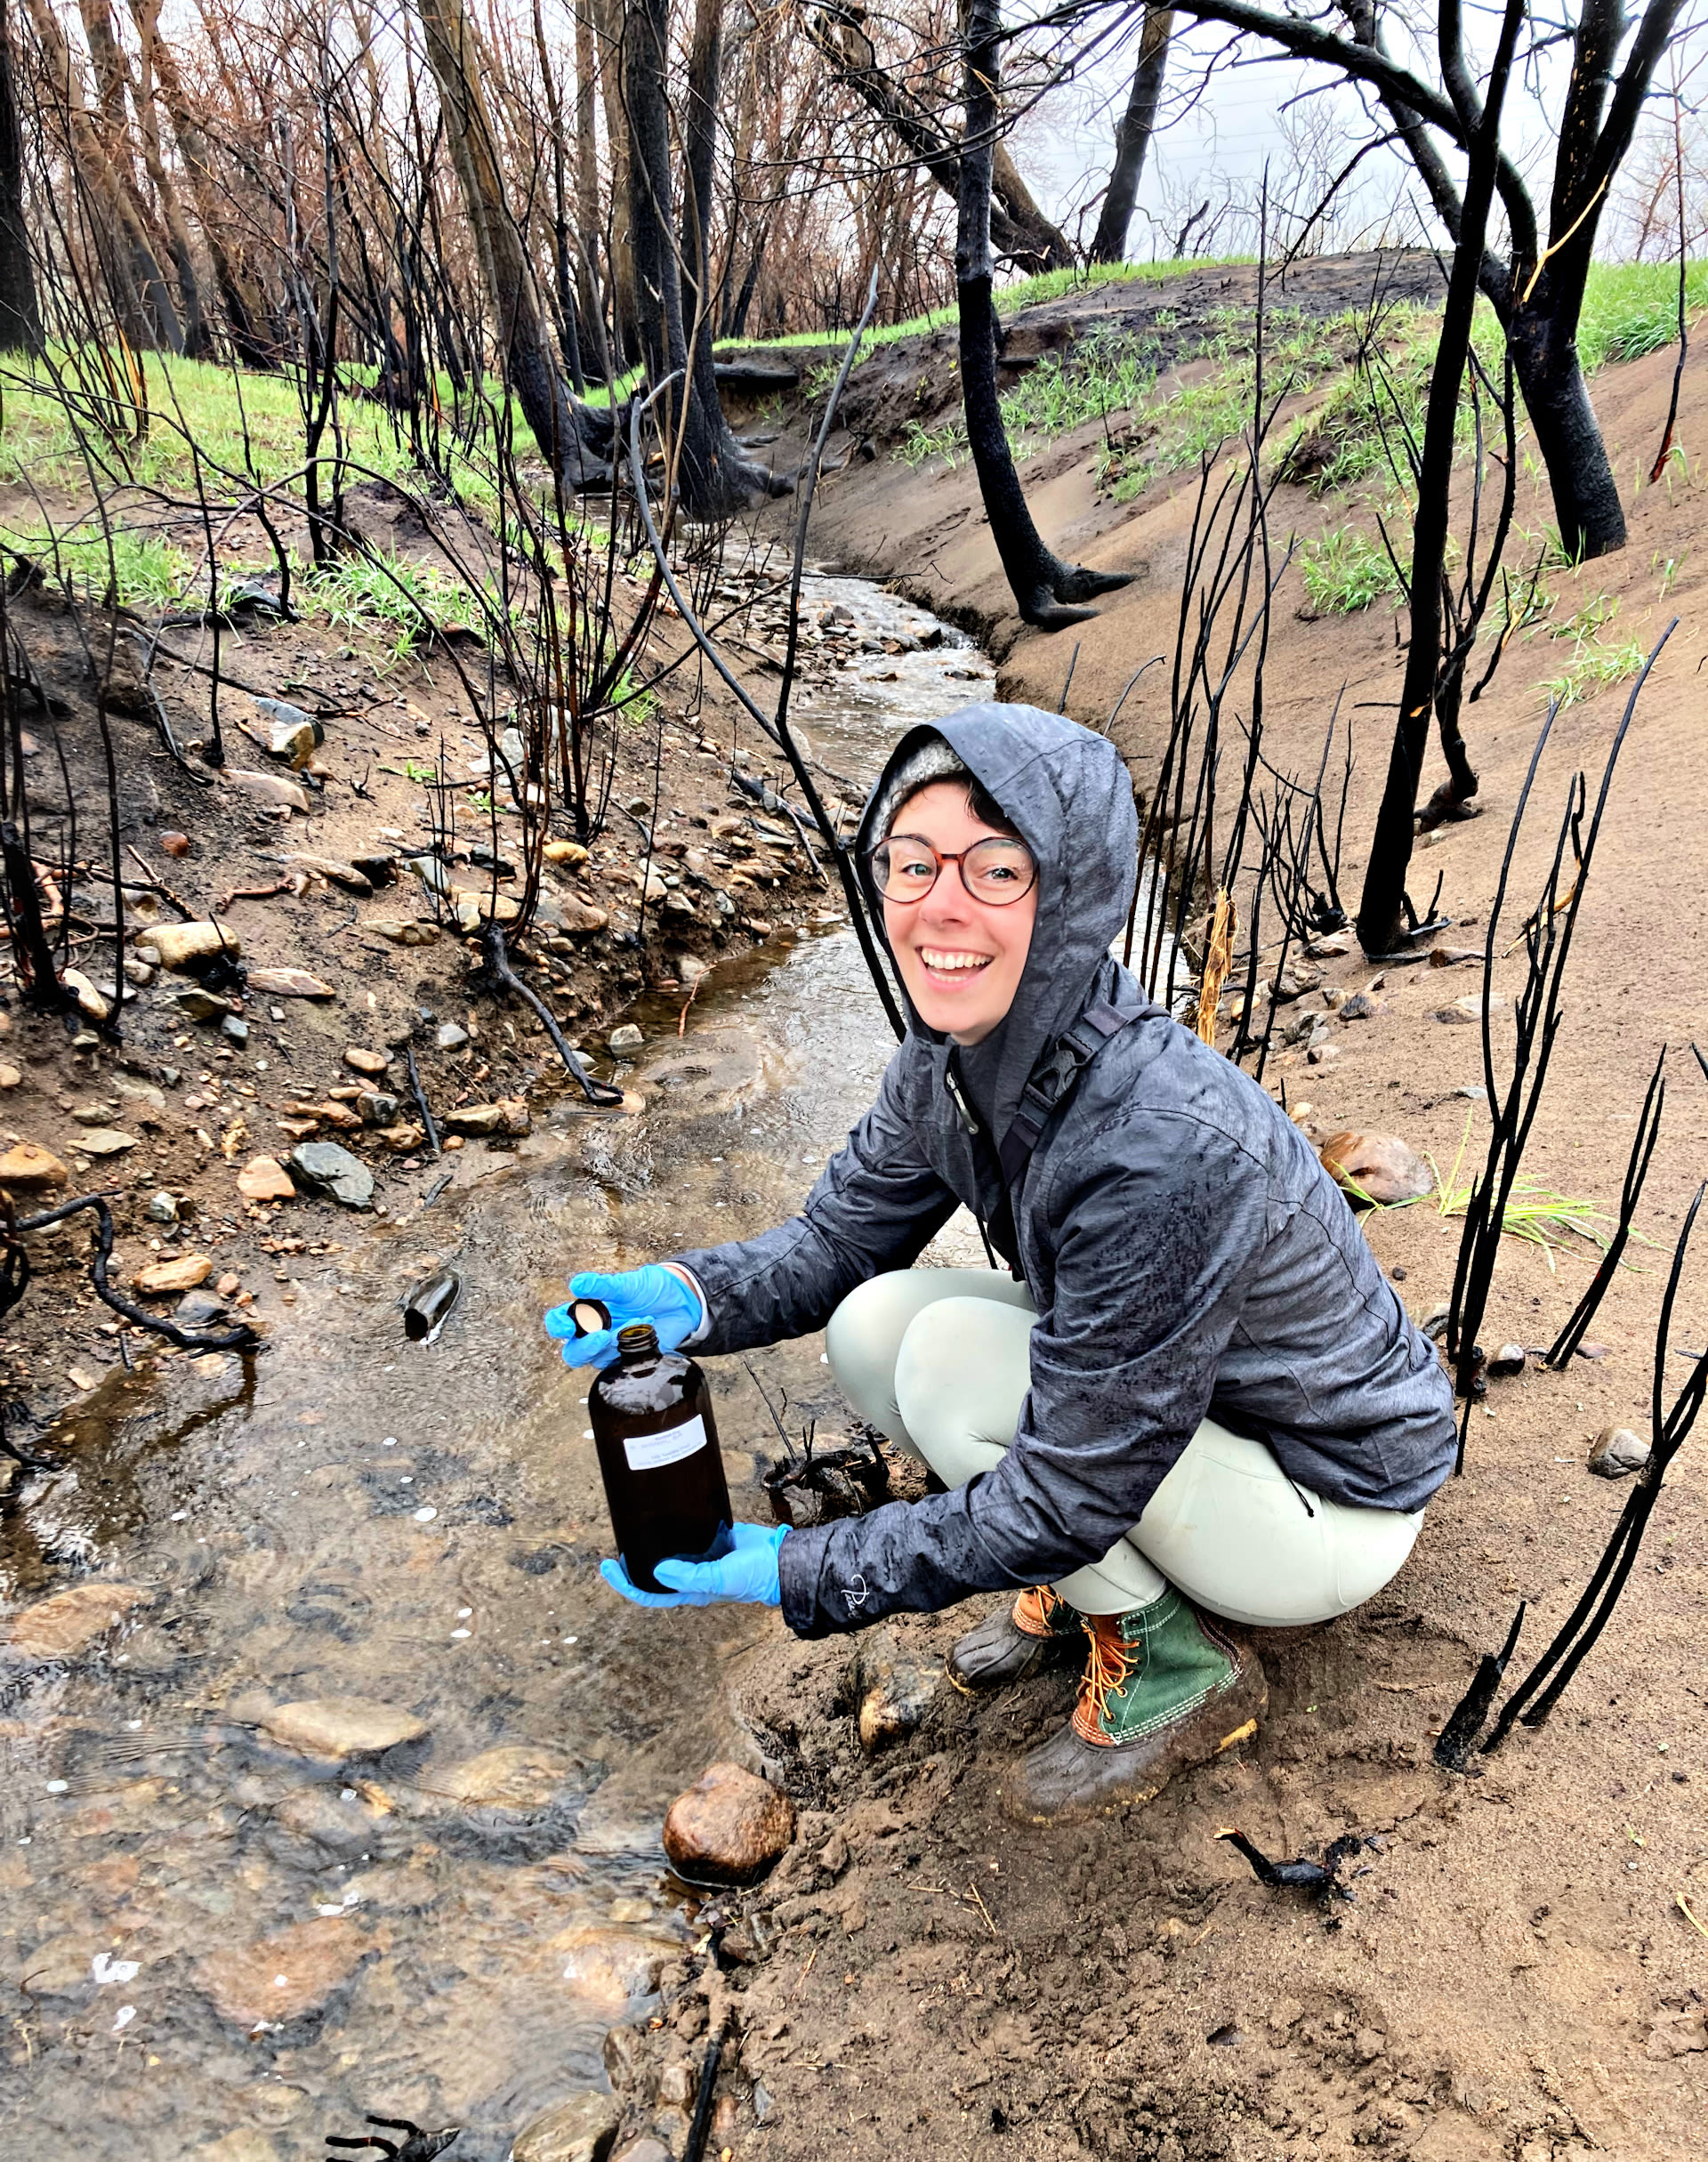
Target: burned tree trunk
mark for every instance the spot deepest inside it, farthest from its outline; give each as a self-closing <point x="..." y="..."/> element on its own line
<point x="1132" y="137"/>
<point x="715" y="479"/>
<point x="505" y="269"/>
<point x="111" y="121"/>
<point x="1042" y="584"/>
<point x="127" y="259"/>
<point x="198" y="342"/>
<point x="21" y="316"/>
<point x="592" y="314"/>
<point x="1590" y="516"/>
<point x="1383" y="903"/>
<point x="625" y="309"/>
<point x="568" y="334"/>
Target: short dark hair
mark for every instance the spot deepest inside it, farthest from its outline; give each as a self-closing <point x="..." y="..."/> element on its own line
<point x="980" y="802"/>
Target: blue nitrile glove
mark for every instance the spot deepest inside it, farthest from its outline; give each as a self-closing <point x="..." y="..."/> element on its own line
<point x="654" y="1293"/>
<point x="746" y="1573"/>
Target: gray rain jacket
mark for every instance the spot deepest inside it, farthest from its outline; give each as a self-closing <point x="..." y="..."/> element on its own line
<point x="1186" y="1252"/>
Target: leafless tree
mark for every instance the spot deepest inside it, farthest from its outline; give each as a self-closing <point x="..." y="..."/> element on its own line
<point x="1536" y="288"/>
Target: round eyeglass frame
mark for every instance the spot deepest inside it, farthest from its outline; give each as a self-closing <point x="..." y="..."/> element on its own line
<point x="959" y="859"/>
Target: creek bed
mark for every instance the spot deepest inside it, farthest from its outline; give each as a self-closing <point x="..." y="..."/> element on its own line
<point x="217" y="1945"/>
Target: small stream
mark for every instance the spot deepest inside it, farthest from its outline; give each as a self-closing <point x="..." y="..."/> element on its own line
<point x="215" y="1946"/>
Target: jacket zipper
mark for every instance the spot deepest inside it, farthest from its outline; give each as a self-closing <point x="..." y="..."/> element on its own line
<point x="963" y="1111"/>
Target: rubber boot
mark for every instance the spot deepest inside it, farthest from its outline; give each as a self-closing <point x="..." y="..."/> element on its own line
<point x="1164" y="1689"/>
<point x="1039" y="1630"/>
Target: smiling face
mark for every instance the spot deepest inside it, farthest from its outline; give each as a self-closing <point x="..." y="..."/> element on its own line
<point x="961" y="959"/>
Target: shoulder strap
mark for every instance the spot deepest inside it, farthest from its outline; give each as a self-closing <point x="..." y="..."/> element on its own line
<point x="1076" y="1048"/>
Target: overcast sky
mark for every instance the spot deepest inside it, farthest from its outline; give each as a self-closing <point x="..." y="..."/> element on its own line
<point x="1244" y="118"/>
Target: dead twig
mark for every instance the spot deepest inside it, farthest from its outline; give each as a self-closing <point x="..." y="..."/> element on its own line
<point x="242" y="1338"/>
<point x="419" y="1096"/>
<point x="599" y="1094"/>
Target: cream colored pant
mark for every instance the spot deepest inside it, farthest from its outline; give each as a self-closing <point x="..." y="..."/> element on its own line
<point x="939" y="1360"/>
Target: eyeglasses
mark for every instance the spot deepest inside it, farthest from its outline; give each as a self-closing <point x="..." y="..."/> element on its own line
<point x="997" y="871"/>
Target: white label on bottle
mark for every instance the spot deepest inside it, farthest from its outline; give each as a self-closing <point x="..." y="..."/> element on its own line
<point x="652" y="1452"/>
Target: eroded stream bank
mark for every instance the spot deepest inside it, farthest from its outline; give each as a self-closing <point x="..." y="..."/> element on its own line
<point x="230" y="1931"/>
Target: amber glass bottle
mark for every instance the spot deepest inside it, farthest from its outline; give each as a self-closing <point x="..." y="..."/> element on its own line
<point x="658" y="1444"/>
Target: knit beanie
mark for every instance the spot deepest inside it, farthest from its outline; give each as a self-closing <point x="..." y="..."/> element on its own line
<point x="933" y="760"/>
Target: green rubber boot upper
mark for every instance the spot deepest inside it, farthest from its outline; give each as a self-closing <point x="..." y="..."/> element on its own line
<point x="1149" y="1667"/>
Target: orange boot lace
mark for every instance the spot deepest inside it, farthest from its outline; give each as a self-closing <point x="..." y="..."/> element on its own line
<point x="1034" y="1611"/>
<point x="1109" y="1663"/>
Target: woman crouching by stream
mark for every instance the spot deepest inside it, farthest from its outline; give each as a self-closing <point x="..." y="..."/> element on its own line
<point x="1194" y="1400"/>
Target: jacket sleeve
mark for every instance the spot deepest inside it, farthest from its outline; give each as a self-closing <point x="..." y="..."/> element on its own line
<point x="1161" y="1225"/>
<point x="876" y="1206"/>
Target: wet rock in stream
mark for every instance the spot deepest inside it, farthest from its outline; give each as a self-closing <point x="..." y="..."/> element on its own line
<point x="729" y="1828"/>
<point x="582" y="2129"/>
<point x="517" y="1777"/>
<point x="341" y="1727"/>
<point x="284" y="1977"/>
<point x="339" y="1821"/>
<point x="612" y="1964"/>
<point x="67" y="1623"/>
<point x="244" y="2145"/>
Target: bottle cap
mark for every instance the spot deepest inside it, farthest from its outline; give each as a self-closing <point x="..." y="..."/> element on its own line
<point x="590" y="1316"/>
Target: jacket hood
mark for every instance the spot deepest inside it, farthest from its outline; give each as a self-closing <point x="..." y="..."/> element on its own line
<point x="1070" y="800"/>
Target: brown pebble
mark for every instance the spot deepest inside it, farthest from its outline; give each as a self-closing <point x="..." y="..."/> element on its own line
<point x="176" y="844"/>
<point x="1616" y="1451"/>
<point x="729" y="1828"/>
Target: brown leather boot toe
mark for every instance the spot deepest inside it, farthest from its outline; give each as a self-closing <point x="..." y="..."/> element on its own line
<point x="1036" y="1631"/>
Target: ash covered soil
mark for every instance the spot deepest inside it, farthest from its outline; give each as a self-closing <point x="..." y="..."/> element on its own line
<point x="1517" y="1976"/>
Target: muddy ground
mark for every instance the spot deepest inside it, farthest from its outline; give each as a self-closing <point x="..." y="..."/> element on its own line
<point x="1517" y="1976"/>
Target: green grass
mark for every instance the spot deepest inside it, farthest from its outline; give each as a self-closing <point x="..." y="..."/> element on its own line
<point x="1534" y="1214"/>
<point x="947" y="441"/>
<point x="209" y="406"/>
<point x="1345" y="570"/>
<point x="1355" y="434"/>
<point x="1630" y="309"/>
<point x="1595" y="662"/>
<point x="1109" y="372"/>
<point x="395" y="594"/>
<point x="1194" y="419"/>
<point x="142" y="571"/>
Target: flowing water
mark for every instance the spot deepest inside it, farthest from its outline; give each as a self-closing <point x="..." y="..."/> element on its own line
<point x="216" y="1946"/>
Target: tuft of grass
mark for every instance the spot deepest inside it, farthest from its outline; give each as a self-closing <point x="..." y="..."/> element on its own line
<point x="1534" y="1214"/>
<point x="1195" y="418"/>
<point x="947" y="441"/>
<point x="1345" y="570"/>
<point x="1593" y="663"/>
<point x="142" y="571"/>
<point x="401" y="596"/>
<point x="1630" y="309"/>
<point x="1110" y="371"/>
